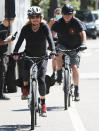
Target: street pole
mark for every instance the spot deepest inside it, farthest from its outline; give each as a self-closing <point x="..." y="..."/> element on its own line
<point x="96" y="4"/>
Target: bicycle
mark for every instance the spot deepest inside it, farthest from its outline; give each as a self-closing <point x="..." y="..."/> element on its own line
<point x="33" y="99"/>
<point x="67" y="79"/>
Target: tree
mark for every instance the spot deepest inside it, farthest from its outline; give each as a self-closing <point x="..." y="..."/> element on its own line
<point x="35" y="2"/>
<point x="84" y="4"/>
<point x="53" y="5"/>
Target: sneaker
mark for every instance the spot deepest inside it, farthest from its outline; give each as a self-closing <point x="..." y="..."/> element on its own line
<point x="3" y="97"/>
<point x="43" y="110"/>
<point x="76" y="94"/>
<point x="24" y="94"/>
<point x="52" y="79"/>
<point x="77" y="98"/>
<point x="59" y="83"/>
<point x="59" y="76"/>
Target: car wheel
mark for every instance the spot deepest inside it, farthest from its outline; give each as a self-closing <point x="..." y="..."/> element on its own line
<point x="94" y="37"/>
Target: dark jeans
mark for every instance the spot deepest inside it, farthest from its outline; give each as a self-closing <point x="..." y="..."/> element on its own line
<point x="2" y="74"/>
<point x="42" y="67"/>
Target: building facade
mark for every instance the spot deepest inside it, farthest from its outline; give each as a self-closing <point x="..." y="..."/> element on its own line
<point x="21" y="7"/>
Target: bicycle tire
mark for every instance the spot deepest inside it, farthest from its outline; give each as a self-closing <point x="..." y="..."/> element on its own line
<point x="66" y="89"/>
<point x="36" y="102"/>
<point x="33" y="108"/>
<point x="70" y="93"/>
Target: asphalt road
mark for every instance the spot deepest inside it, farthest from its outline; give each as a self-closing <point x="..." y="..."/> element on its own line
<point x="81" y="116"/>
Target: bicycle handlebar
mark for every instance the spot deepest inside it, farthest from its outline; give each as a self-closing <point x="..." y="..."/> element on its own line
<point x="81" y="48"/>
<point x="23" y="55"/>
<point x="45" y="57"/>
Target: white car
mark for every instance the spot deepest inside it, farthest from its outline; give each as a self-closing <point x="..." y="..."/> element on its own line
<point x="96" y="15"/>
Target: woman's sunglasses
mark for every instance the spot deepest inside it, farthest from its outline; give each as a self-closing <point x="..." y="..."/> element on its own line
<point x="35" y="17"/>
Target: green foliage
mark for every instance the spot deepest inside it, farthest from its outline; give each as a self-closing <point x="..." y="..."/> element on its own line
<point x="76" y="4"/>
<point x="91" y="4"/>
<point x="44" y="4"/>
<point x="92" y="1"/>
<point x="60" y="3"/>
<point x="31" y="2"/>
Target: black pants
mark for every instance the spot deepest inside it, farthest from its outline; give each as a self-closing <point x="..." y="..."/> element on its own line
<point x="2" y="74"/>
<point x="42" y="67"/>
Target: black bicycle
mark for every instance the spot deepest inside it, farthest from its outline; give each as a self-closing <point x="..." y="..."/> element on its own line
<point x="67" y="79"/>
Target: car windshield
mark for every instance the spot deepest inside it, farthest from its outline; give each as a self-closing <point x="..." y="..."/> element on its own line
<point x="84" y="16"/>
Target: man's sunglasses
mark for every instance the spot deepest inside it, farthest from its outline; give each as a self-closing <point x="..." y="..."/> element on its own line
<point x="35" y="17"/>
<point x="68" y="13"/>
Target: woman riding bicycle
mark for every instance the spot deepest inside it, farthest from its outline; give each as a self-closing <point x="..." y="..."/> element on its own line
<point x="36" y="33"/>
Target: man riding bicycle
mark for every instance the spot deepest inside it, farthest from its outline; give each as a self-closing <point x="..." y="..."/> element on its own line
<point x="35" y="33"/>
<point x="71" y="34"/>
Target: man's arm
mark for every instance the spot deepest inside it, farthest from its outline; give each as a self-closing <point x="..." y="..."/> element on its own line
<point x="50" y="39"/>
<point x="5" y="42"/>
<point x="83" y="37"/>
<point x="8" y="40"/>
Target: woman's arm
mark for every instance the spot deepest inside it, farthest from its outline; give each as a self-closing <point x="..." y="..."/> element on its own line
<point x="20" y="41"/>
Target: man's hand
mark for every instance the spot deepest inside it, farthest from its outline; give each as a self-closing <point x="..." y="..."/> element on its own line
<point x="15" y="56"/>
<point x="82" y="47"/>
<point x="53" y="54"/>
<point x="5" y="42"/>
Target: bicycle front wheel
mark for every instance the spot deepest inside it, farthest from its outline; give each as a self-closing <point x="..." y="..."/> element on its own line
<point x="33" y="107"/>
<point x="66" y="89"/>
<point x="32" y="110"/>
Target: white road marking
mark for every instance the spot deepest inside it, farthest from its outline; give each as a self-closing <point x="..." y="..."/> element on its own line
<point x="92" y="75"/>
<point x="75" y="118"/>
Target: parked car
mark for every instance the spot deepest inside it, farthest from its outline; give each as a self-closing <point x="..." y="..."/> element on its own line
<point x="89" y="20"/>
<point x="96" y="15"/>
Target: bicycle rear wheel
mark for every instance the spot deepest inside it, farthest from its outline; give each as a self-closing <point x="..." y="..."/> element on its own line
<point x="66" y="89"/>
